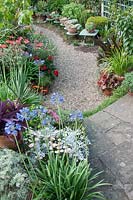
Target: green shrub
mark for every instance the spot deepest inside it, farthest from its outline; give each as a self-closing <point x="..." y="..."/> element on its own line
<point x="11" y="16"/>
<point x="73" y="10"/>
<point x="56" y="5"/>
<point x="13" y="178"/>
<point x="84" y="16"/>
<point x="99" y="22"/>
<point x="128" y="82"/>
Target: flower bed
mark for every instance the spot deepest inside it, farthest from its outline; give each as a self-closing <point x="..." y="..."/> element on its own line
<point x="50" y="148"/>
<point x="35" y="53"/>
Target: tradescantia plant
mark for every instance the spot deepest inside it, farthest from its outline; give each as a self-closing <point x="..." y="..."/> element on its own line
<point x="8" y="111"/>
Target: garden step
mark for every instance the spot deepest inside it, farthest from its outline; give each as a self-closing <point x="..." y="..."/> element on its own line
<point x="111" y="149"/>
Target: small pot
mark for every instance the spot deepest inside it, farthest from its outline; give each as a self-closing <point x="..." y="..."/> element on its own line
<point x="130" y="93"/>
<point x="72" y="30"/>
<point x="63" y="20"/>
<point x="107" y="92"/>
<point x="7" y="142"/>
<point x="44" y="90"/>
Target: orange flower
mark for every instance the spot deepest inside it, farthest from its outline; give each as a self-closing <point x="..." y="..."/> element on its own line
<point x="26" y="41"/>
<point x="2" y="46"/>
<point x="40" y="44"/>
<point x="12" y="42"/>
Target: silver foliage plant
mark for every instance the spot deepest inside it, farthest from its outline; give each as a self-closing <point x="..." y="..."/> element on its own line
<point x="13" y="178"/>
<point x="72" y="142"/>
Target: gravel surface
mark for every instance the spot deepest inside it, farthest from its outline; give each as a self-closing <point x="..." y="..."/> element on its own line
<point x="78" y="73"/>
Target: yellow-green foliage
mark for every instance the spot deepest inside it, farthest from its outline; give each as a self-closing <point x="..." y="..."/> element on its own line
<point x="84" y="16"/>
<point x="99" y="21"/>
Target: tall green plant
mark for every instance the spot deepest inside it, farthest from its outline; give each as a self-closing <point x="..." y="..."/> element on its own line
<point x="119" y="62"/>
<point x="61" y="178"/>
<point x="124" y="23"/>
<point x="19" y="87"/>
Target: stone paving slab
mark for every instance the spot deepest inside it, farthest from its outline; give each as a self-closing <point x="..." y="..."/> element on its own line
<point x="111" y="134"/>
<point x="123" y="109"/>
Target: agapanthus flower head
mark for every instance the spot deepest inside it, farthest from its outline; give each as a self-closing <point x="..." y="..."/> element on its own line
<point x="76" y="115"/>
<point x="12" y="128"/>
<point x="24" y="114"/>
<point x="57" y="98"/>
<point x="41" y="111"/>
<point x="46" y="121"/>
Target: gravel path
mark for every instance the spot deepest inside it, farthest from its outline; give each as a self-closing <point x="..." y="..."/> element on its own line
<point x="78" y="73"/>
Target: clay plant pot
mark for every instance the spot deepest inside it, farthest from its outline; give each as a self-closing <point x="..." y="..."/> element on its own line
<point x="7" y="142"/>
<point x="44" y="90"/>
<point x="72" y="30"/>
<point x="130" y="93"/>
<point x="107" y="92"/>
<point x="63" y="20"/>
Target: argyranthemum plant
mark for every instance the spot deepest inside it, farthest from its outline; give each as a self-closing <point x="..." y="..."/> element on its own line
<point x="68" y="141"/>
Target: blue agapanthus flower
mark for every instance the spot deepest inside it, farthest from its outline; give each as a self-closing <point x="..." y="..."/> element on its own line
<point x="56" y="98"/>
<point x="46" y="121"/>
<point x="12" y="128"/>
<point x="24" y="114"/>
<point x="41" y="111"/>
<point x="77" y="115"/>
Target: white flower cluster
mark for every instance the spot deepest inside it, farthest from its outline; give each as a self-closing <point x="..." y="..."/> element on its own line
<point x="72" y="142"/>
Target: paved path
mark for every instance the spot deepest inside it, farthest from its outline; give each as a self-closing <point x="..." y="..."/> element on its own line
<point x="78" y="74"/>
<point x="111" y="134"/>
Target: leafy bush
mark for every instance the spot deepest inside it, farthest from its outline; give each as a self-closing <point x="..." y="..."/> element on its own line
<point x="13" y="178"/>
<point x="99" y="22"/>
<point x="11" y="16"/>
<point x="60" y="178"/>
<point x="84" y="16"/>
<point x="56" y="5"/>
<point x="128" y="82"/>
<point x="73" y="10"/>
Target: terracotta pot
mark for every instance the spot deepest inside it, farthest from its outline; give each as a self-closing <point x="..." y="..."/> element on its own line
<point x="63" y="20"/>
<point x="107" y="92"/>
<point x="72" y="30"/>
<point x="130" y="93"/>
<point x="44" y="90"/>
<point x="7" y="142"/>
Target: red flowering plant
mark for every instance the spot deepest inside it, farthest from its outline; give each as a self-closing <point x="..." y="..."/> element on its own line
<point x="36" y="52"/>
<point x="43" y="57"/>
<point x="109" y="81"/>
